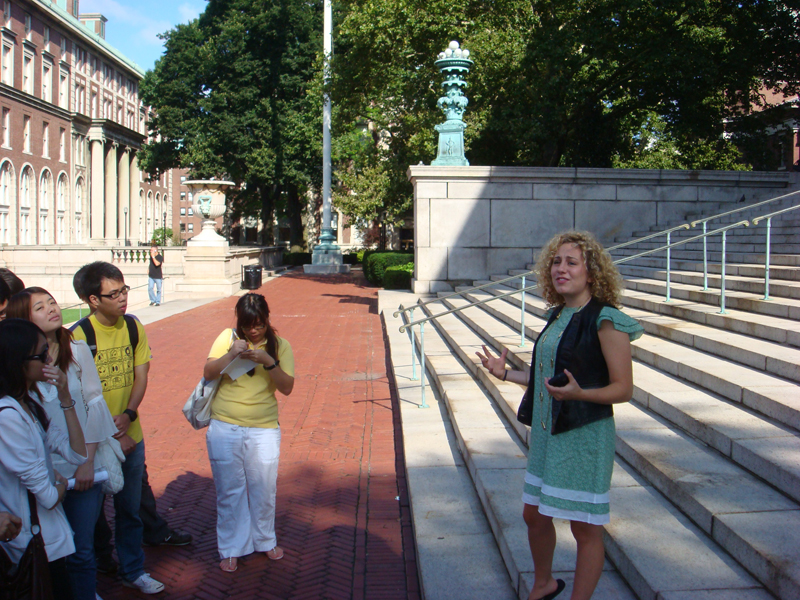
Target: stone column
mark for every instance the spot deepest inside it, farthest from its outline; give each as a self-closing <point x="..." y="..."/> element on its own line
<point x="133" y="195"/>
<point x="123" y="191"/>
<point x="97" y="193"/>
<point x="111" y="193"/>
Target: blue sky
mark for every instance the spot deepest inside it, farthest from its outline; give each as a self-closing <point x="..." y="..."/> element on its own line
<point x="133" y="25"/>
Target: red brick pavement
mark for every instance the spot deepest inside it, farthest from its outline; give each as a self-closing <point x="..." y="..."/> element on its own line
<point x="342" y="516"/>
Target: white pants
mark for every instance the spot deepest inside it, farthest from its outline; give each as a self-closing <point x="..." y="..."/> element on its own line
<point x="244" y="462"/>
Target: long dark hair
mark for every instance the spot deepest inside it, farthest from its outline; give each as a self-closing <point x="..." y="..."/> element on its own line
<point x="18" y="340"/>
<point x="21" y="306"/>
<point x="251" y="310"/>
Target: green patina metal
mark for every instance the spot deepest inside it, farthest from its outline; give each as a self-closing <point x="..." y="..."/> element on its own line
<point x="454" y="63"/>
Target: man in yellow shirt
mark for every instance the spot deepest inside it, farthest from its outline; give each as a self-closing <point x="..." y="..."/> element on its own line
<point x="123" y="372"/>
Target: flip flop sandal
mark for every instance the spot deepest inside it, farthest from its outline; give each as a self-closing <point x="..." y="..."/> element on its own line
<point x="229" y="565"/>
<point x="275" y="554"/>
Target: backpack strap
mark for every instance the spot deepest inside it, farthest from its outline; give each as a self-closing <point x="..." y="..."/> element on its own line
<point x="91" y="339"/>
<point x="88" y="332"/>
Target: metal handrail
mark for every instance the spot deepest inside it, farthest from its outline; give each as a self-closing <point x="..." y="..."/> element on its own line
<point x="767" y="250"/>
<point x="625" y="259"/>
<point x="748" y="207"/>
<point x="398" y="312"/>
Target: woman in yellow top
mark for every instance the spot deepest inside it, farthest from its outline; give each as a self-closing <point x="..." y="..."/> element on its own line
<point x="243" y="437"/>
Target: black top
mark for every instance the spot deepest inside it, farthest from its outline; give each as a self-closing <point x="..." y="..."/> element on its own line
<point x="154" y="272"/>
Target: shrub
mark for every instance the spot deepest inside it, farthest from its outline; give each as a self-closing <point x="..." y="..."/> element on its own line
<point x="376" y="263"/>
<point x="296" y="259"/>
<point x="398" y="277"/>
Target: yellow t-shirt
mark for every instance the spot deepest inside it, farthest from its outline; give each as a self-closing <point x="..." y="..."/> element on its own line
<point x="249" y="401"/>
<point x="115" y="361"/>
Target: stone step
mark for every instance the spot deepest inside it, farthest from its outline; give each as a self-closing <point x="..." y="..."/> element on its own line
<point x="778" y="227"/>
<point x="733" y="283"/>
<point x="787" y="259"/>
<point x="702" y="499"/>
<point x="776" y="272"/>
<point x="781" y="308"/>
<point x="700" y="563"/>
<point x="714" y="245"/>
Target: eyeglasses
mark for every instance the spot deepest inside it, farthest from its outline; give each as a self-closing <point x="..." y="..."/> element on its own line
<point x="43" y="356"/>
<point x="260" y="327"/>
<point x="116" y="293"/>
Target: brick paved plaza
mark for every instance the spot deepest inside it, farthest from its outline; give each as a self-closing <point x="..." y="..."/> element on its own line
<point x="343" y="516"/>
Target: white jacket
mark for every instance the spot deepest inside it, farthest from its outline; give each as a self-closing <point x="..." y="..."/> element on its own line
<point x="25" y="465"/>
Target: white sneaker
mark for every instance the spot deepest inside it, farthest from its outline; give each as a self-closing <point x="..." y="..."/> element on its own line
<point x="145" y="584"/>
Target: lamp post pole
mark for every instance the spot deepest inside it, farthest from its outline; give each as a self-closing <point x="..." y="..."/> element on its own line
<point x="125" y="210"/>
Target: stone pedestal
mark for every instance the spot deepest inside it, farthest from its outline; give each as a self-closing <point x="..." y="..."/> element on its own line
<point x="326" y="258"/>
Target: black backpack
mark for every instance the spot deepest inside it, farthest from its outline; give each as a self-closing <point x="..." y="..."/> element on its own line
<point x="91" y="338"/>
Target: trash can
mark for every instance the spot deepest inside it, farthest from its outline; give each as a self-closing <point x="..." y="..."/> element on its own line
<point x="251" y="277"/>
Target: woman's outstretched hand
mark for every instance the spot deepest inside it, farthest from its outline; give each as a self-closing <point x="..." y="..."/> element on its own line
<point x="495" y="365"/>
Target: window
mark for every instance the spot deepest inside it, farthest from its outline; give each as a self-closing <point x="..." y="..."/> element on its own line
<point x="6" y="128"/>
<point x="191" y="201"/>
<point x="28" y="27"/>
<point x="191" y="212"/>
<point x="46" y="37"/>
<point x="25" y="185"/>
<point x="183" y="227"/>
<point x="183" y="212"/>
<point x="63" y="93"/>
<point x="46" y="140"/>
<point x="47" y="81"/>
<point x="183" y="196"/>
<point x="8" y="62"/>
<point x="183" y="178"/>
<point x="27" y="73"/>
<point x="26" y="134"/>
<point x="80" y="98"/>
<point x="61" y="204"/>
<point x="7" y="13"/>
<point x="63" y="48"/>
<point x="78" y="210"/>
<point x="5" y="201"/>
<point x="44" y="207"/>
<point x="62" y="142"/>
<point x="93" y="106"/>
<point x="191" y="227"/>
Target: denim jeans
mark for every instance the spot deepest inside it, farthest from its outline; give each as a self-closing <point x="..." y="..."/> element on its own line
<point x="128" y="522"/>
<point x="82" y="509"/>
<point x="154" y="296"/>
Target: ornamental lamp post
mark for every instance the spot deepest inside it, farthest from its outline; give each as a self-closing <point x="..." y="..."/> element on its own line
<point x="454" y="63"/>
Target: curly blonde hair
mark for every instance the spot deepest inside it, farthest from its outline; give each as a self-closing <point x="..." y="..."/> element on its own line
<point x="606" y="282"/>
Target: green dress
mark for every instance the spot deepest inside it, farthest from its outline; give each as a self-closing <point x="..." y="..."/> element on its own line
<point x="569" y="474"/>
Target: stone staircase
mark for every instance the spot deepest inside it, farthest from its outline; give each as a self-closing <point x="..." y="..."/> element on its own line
<point x="706" y="488"/>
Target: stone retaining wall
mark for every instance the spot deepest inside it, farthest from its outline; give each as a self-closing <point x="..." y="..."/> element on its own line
<point x="472" y="222"/>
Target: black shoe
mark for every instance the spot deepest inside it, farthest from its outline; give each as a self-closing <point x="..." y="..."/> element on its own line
<point x="152" y="303"/>
<point x="106" y="565"/>
<point x="175" y="538"/>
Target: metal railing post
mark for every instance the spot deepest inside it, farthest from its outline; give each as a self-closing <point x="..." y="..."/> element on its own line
<point x="413" y="348"/>
<point x="422" y="364"/>
<point x="766" y="262"/>
<point x="722" y="280"/>
<point x="705" y="256"/>
<point x="522" y="317"/>
<point x="669" y="255"/>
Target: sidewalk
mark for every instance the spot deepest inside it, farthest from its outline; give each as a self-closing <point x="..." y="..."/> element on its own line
<point x="342" y="516"/>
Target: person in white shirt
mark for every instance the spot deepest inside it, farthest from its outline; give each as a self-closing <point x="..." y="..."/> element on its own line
<point x="26" y="442"/>
<point x="82" y="504"/>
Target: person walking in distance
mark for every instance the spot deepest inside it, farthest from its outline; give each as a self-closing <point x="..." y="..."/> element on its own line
<point x="155" y="277"/>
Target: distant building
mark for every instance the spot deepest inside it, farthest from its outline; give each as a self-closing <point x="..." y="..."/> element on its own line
<point x="72" y="125"/>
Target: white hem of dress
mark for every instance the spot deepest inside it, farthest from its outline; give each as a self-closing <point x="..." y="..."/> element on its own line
<point x="568" y="515"/>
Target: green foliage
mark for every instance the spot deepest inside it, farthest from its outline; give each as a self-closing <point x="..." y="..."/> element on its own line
<point x="231" y="98"/>
<point x="161" y="235"/>
<point x="376" y="263"/>
<point x="297" y="259"/>
<point x="398" y="277"/>
<point x="636" y="83"/>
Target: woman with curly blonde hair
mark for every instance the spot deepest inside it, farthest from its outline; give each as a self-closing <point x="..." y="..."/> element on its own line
<point x="581" y="366"/>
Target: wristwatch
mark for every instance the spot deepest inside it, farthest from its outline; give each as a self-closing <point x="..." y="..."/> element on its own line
<point x="269" y="368"/>
<point x="131" y="414"/>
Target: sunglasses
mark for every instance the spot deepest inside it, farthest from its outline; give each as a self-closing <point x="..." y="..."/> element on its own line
<point x="42" y="356"/>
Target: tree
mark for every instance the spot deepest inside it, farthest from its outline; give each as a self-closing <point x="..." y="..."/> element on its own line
<point x="557" y="82"/>
<point x="231" y="97"/>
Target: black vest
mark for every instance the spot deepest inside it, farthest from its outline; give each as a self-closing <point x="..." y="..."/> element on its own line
<point x="580" y="353"/>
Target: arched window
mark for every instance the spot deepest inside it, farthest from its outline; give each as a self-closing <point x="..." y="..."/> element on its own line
<point x="157" y="212"/>
<point x="45" y="198"/>
<point x="61" y="209"/>
<point x="6" y="201"/>
<point x="149" y="223"/>
<point x="142" y="217"/>
<point x="79" y="211"/>
<point x="26" y="195"/>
